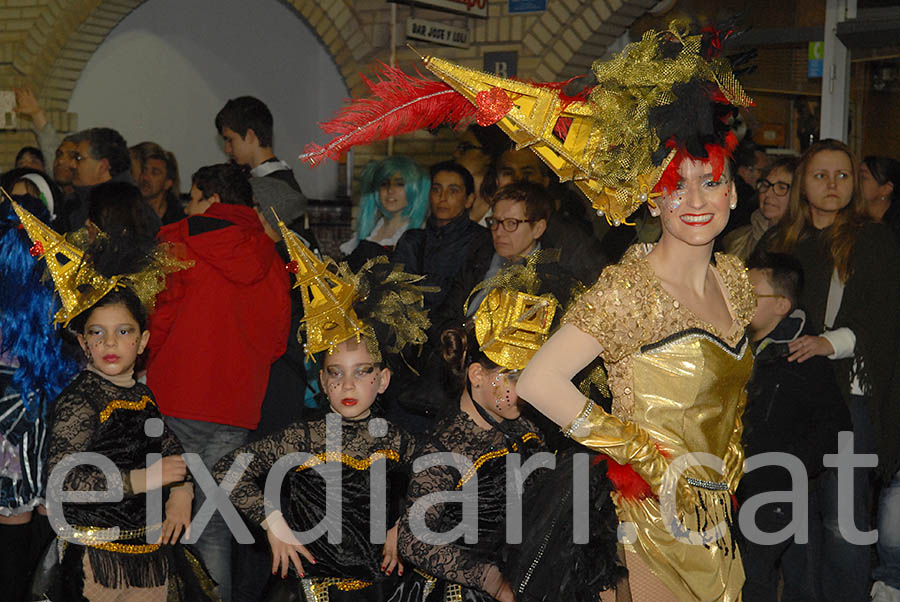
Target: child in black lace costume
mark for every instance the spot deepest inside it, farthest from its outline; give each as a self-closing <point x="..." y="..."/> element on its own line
<point x="485" y="429"/>
<point x="106" y="429"/>
<point x="105" y="411"/>
<point x="348" y="453"/>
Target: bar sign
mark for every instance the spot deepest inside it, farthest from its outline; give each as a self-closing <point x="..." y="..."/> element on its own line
<point x="437" y="33"/>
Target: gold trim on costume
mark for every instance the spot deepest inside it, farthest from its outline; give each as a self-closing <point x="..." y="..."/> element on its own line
<point x="490" y="456"/>
<point x="316" y="589"/>
<point x="121" y="404"/>
<point x="350" y="461"/>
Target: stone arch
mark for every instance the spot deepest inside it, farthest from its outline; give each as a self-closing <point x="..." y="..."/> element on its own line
<point x="570" y="34"/>
<point x="66" y="33"/>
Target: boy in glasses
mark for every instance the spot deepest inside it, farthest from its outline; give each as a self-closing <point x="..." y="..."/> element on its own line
<point x="793" y="407"/>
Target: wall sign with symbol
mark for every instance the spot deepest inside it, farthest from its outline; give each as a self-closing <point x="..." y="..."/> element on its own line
<point x="502" y="64"/>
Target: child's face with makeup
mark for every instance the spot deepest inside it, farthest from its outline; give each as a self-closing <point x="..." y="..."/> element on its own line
<point x="352" y="380"/>
<point x="112" y="339"/>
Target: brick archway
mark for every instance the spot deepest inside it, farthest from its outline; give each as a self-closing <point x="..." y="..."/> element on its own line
<point x="61" y="37"/>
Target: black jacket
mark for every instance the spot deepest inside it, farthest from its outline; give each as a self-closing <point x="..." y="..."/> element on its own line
<point x="795" y="408"/>
<point x="438" y="253"/>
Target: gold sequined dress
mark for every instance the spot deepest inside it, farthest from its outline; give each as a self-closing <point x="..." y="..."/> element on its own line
<point x="678" y="387"/>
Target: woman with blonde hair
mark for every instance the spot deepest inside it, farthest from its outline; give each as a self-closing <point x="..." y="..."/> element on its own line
<point x="852" y="297"/>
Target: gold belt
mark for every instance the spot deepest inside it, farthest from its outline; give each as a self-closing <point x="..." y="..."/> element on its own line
<point x="89" y="536"/>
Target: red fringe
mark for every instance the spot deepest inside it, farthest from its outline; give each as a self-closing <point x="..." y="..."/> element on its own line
<point x="629" y="484"/>
<point x="399" y="104"/>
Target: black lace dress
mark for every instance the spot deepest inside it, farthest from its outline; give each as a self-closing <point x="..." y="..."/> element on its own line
<point x="122" y="425"/>
<point x="460" y="570"/>
<point x="369" y="452"/>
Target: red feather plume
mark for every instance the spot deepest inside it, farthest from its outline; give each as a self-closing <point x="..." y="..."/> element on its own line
<point x="399" y="104"/>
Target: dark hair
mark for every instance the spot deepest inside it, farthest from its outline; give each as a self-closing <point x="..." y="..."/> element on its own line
<point x="491" y="138"/>
<point x="459" y="349"/>
<point x="745" y="153"/>
<point x="226" y="180"/>
<point x="121" y="295"/>
<point x="884" y="170"/>
<point x="30" y="150"/>
<point x="535" y="197"/>
<point x="784" y="271"/>
<point x="246" y="113"/>
<point x="107" y="143"/>
<point x="454" y="167"/>
<point x="789" y="164"/>
<point x="155" y="151"/>
<point x="118" y="208"/>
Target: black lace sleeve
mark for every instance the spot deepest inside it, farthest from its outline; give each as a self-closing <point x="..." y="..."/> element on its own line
<point x="74" y="423"/>
<point x="258" y="458"/>
<point x="447" y="561"/>
<point x="171" y="446"/>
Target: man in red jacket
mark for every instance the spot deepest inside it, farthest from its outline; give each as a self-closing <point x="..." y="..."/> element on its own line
<point x="216" y="330"/>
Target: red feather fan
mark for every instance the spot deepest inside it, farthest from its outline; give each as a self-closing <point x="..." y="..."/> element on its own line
<point x="399" y="104"/>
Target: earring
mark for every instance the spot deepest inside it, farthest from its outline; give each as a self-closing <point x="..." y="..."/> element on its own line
<point x="733" y="205"/>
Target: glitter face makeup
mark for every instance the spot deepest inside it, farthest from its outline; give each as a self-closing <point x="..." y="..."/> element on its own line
<point x="503" y="400"/>
<point x="351" y="380"/>
<point x="112" y="339"/>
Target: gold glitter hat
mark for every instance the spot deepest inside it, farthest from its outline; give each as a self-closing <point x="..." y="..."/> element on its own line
<point x="79" y="286"/>
<point x="378" y="303"/>
<point x="77" y="282"/>
<point x="512" y="321"/>
<point x="615" y="141"/>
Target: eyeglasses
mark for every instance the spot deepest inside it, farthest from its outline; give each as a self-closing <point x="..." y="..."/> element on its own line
<point x="781" y="188"/>
<point x="463" y="147"/>
<point x="510" y="224"/>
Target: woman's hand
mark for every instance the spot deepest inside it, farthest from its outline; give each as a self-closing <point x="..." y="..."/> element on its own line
<point x="807" y="346"/>
<point x="286" y="550"/>
<point x="178" y="515"/>
<point x="391" y="556"/>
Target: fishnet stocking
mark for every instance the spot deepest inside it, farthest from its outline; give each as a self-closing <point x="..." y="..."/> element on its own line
<point x="644" y="585"/>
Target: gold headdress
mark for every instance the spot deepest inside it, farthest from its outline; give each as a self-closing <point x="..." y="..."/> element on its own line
<point x="513" y="321"/>
<point x="78" y="284"/>
<point x="339" y="305"/>
<point x="615" y="144"/>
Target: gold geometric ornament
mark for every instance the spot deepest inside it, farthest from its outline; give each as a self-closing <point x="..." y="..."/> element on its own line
<point x="511" y="326"/>
<point x="327" y="298"/>
<point x="79" y="286"/>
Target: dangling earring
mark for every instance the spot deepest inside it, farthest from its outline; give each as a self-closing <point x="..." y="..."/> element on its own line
<point x="733" y="205"/>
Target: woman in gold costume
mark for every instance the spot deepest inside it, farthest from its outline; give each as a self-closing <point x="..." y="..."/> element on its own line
<point x="668" y="321"/>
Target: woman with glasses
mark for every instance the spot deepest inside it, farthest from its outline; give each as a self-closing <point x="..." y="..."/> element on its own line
<point x="774" y="188"/>
<point x="394" y="199"/>
<point x="852" y="298"/>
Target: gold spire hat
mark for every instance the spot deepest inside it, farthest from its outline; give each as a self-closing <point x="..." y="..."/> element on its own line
<point x="615" y="141"/>
<point x="328" y="313"/>
<point x="77" y="282"/>
<point x="79" y="286"/>
<point x="339" y="305"/>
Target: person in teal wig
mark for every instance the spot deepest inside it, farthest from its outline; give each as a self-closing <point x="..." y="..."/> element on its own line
<point x="394" y="199"/>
